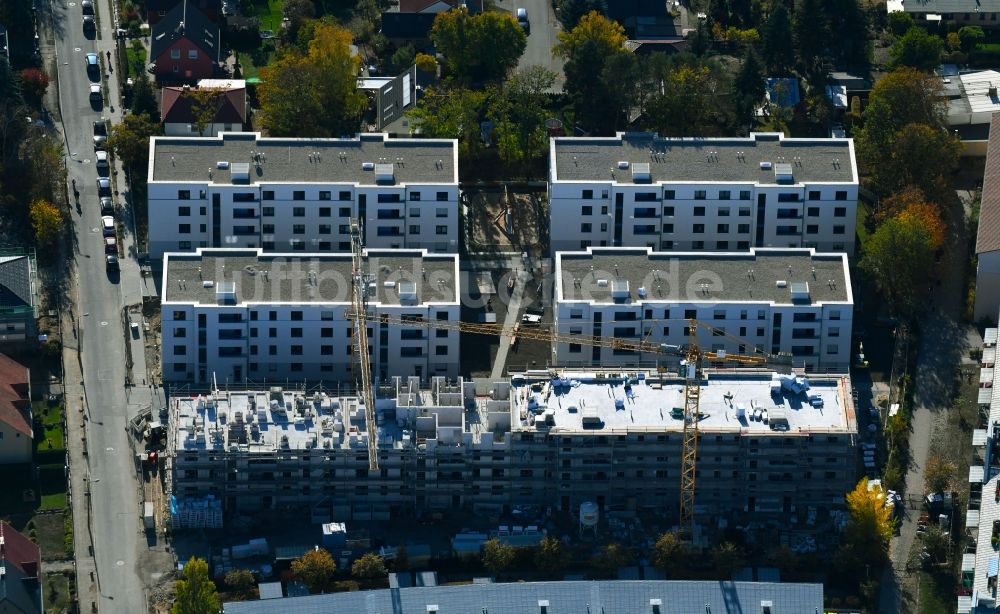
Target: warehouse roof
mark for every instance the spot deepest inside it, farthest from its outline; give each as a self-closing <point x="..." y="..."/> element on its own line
<point x="288" y="160"/>
<point x="765" y="275"/>
<point x="610" y="596"/>
<point x="687" y="160"/>
<point x="239" y="276"/>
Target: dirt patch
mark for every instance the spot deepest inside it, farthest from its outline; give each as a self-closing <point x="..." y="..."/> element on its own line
<point x="505" y="220"/>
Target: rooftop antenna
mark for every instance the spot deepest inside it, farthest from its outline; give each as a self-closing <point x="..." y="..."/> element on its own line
<point x="171" y="161"/>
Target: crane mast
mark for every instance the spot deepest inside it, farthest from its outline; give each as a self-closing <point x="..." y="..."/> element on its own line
<point x="689" y="439"/>
<point x="359" y="314"/>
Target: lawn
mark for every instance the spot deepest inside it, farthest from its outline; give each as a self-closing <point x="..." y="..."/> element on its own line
<point x="136" y="60"/>
<point x="51" y="437"/>
<point x="268" y="11"/>
<point x="56" y="588"/>
<point x="994" y="47"/>
<point x="864" y="212"/>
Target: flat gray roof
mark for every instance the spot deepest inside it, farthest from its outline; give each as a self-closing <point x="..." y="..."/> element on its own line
<point x="644" y="405"/>
<point x="257" y="277"/>
<point x="609" y="596"/>
<point x="692" y="160"/>
<point x="294" y="160"/>
<point x="701" y="277"/>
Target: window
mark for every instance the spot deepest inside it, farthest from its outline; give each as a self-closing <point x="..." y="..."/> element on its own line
<point x="326" y="333"/>
<point x="743" y="228"/>
<point x="744" y="194"/>
<point x="722" y="228"/>
<point x="344" y="229"/>
<point x="719" y="314"/>
<point x="575" y="348"/>
<point x="180" y="350"/>
<point x="722" y="245"/>
<point x="669" y="194"/>
<point x="840" y="212"/>
<point x="414" y="229"/>
<point x="441" y="212"/>
<point x="180" y="332"/>
<point x="838" y="230"/>
<point x="788" y="197"/>
<point x="813" y="194"/>
<point x="588" y="194"/>
<point x="175" y="54"/>
<point x="388" y="198"/>
<point x="442" y="196"/>
<point x="180" y="316"/>
<point x="645" y="197"/>
<point x="668" y="212"/>
<point x="183" y="194"/>
<point x="585" y="227"/>
<point x="668" y="228"/>
<point x="299" y="211"/>
<point x="698" y="229"/>
<point x="841" y="195"/>
<point x="700" y="195"/>
<point x="344" y="212"/>
<point x="744" y="212"/>
<point x="267" y="211"/>
<point x="604" y="209"/>
<point x="743" y="245"/>
<point x="441" y="350"/>
<point x="812" y="229"/>
<point x="834" y="315"/>
<point x="183" y="245"/>
<point x="299" y="229"/>
<point x="833" y="331"/>
<point x="723" y="211"/>
<point x="324" y="211"/>
<point x="414" y="196"/>
<point x="184" y="228"/>
<point x="724" y="194"/>
<point x="441" y="230"/>
<point x="666" y="244"/>
<point x="587" y="210"/>
<point x="296" y="316"/>
<point x="812" y="211"/>
<point x="324" y="229"/>
<point x="699" y="211"/>
<point x="326" y="350"/>
<point x="192" y="54"/>
<point x="697" y="245"/>
<point x="267" y="229"/>
<point x="296" y="350"/>
<point x="832" y="349"/>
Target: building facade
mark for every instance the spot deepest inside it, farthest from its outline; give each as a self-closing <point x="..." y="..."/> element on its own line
<point x="288" y="195"/>
<point x="988" y="235"/>
<point x="774" y="301"/>
<point x="236" y="315"/>
<point x="604" y="437"/>
<point x="18" y="298"/>
<point x="766" y="190"/>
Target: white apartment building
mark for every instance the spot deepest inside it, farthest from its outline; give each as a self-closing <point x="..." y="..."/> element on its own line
<point x="243" y="190"/>
<point x="793" y="301"/>
<point x="243" y="315"/>
<point x="718" y="194"/>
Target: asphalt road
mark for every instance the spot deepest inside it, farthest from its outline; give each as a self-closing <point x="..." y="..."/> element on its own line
<point x="541" y="38"/>
<point x="114" y="521"/>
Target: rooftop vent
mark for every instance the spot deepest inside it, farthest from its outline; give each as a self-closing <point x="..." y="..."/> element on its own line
<point x="240" y="172"/>
<point x="543" y="606"/>
<point x="623" y="164"/>
<point x="655" y="605"/>
<point x="384" y="173"/>
<point x="619" y="289"/>
<point x="781" y="283"/>
<point x="432" y="609"/>
<point x="640" y="173"/>
<point x="800" y="291"/>
<point x="222" y="164"/>
<point x="766" y="607"/>
<point x="765" y="166"/>
<point x="783" y="173"/>
<point x="407" y="291"/>
<point x="367" y="166"/>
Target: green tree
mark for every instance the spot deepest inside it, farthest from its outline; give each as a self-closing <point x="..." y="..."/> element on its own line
<point x="426" y="63"/>
<point x="476" y="48"/>
<point x="497" y="556"/>
<point x="777" y="34"/>
<point x="727" y="558"/>
<point x="368" y="566"/>
<point x="917" y="49"/>
<point x="670" y="554"/>
<point x="241" y="582"/>
<point x="47" y="222"/>
<point x="898" y="256"/>
<point x="130" y="141"/>
<point x="550" y="556"/>
<point x="297" y="12"/>
<point x="143" y="100"/>
<point x="314" y="94"/>
<point x="607" y="35"/>
<point x="936" y="543"/>
<point x="684" y="104"/>
<point x="572" y="11"/>
<point x="748" y="89"/>
<point x="205" y="104"/>
<point x="451" y="113"/>
<point x="970" y="36"/>
<point x="403" y="58"/>
<point x="517" y="110"/>
<point x="195" y="592"/>
<point x="42" y="156"/>
<point x="938" y="474"/>
<point x="810" y="33"/>
<point x="920" y="156"/>
<point x="315" y="568"/>
<point x="900" y="22"/>
<point x="611" y="558"/>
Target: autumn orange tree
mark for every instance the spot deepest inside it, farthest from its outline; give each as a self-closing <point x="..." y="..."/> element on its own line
<point x="47" y="221"/>
<point x="871" y="523"/>
<point x="897" y="257"/>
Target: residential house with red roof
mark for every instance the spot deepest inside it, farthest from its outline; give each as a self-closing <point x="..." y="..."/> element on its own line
<point x="412" y="19"/>
<point x="16" y="432"/>
<point x="179" y="109"/>
<point x="158" y="9"/>
<point x="185" y="45"/>
<point x="20" y="573"/>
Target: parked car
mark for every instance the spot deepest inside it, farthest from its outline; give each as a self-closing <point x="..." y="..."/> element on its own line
<point x="108" y="226"/>
<point x="102" y="160"/>
<point x="89" y="23"/>
<point x="100" y="134"/>
<point x="95" y="92"/>
<point x="111" y="245"/>
<point x="103" y="186"/>
<point x="111" y="262"/>
<point x="522" y="19"/>
<point x="107" y="205"/>
<point x="93" y="64"/>
<point x="88" y="7"/>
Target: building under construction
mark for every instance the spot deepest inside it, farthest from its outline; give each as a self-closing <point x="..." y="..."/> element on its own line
<point x="768" y="445"/>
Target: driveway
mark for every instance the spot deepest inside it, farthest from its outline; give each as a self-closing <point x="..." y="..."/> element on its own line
<point x="541" y="39"/>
